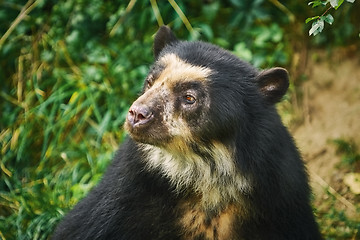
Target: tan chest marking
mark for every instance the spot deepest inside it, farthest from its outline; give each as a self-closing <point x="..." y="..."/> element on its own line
<point x="198" y="224"/>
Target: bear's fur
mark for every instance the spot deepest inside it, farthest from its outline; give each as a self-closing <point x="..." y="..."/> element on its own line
<point x="207" y="158"/>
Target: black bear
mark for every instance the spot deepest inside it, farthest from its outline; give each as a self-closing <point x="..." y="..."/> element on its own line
<point x="207" y="158"/>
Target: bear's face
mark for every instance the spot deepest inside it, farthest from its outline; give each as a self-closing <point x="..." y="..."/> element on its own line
<point x="197" y="93"/>
<point x="174" y="105"/>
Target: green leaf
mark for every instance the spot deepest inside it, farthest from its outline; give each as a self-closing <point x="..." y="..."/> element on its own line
<point x="206" y="31"/>
<point x="317" y="27"/>
<point x="317" y="3"/>
<point x="311" y="19"/>
<point x="328" y="18"/>
<point x="339" y="4"/>
<point x="334" y="3"/>
<point x="242" y="51"/>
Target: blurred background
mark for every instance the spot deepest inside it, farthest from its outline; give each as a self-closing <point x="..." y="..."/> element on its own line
<point x="69" y="71"/>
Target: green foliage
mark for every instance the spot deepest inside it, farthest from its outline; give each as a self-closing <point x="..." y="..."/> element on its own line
<point x="66" y="87"/>
<point x="335" y="224"/>
<point x="349" y="152"/>
<point x="319" y="21"/>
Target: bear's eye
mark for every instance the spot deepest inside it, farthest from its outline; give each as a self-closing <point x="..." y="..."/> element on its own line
<point x="190" y="99"/>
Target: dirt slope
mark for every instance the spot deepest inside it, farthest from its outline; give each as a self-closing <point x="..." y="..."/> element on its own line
<point x="330" y="110"/>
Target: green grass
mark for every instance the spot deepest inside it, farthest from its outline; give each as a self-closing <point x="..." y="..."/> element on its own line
<point x="335" y="223"/>
<point x="339" y="210"/>
<point x="63" y="104"/>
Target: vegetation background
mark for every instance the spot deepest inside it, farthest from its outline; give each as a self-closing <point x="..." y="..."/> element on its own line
<point x="70" y="69"/>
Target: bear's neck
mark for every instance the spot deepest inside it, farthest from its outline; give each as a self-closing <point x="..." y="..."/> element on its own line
<point x="207" y="172"/>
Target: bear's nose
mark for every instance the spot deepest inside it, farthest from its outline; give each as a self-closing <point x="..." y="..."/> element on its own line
<point x="139" y="115"/>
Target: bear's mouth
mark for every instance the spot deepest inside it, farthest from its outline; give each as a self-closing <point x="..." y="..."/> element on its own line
<point x="150" y="131"/>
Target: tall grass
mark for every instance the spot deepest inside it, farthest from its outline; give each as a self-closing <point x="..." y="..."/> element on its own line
<point x="64" y="97"/>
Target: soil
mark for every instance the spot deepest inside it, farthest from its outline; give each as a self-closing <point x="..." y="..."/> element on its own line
<point x="329" y="110"/>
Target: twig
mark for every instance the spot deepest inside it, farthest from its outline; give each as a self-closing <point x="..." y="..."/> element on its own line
<point x="306" y="106"/>
<point x="182" y="16"/>
<point x="20" y="78"/>
<point x="5" y="170"/>
<point x="319" y="17"/>
<point x="122" y="18"/>
<point x="68" y="59"/>
<point x="332" y="191"/>
<point x="157" y="12"/>
<point x="2" y="236"/>
<point x="284" y="9"/>
<point x="29" y="6"/>
<point x="326" y="11"/>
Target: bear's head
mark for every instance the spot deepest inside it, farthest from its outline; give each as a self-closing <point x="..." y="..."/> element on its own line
<point x="198" y="102"/>
<point x="197" y="93"/>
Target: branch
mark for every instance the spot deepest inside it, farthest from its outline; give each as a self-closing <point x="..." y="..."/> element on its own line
<point x="29" y="6"/>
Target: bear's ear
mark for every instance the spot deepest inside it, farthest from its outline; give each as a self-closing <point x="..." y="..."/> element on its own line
<point x="163" y="37"/>
<point x="273" y="84"/>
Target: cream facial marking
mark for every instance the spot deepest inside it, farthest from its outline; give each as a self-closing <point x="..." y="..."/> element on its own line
<point x="177" y="69"/>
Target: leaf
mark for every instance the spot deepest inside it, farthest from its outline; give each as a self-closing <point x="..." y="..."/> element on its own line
<point x="207" y="31"/>
<point x="311" y="18"/>
<point x="317" y="27"/>
<point x="328" y="18"/>
<point x="339" y="4"/>
<point x="350" y="1"/>
<point x="242" y="51"/>
<point x="334" y="3"/>
<point x="73" y="97"/>
<point x="316" y="3"/>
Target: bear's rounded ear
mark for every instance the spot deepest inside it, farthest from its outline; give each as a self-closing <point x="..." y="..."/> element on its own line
<point x="273" y="84"/>
<point x="163" y="37"/>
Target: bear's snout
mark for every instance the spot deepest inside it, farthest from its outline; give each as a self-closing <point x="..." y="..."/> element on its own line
<point x="139" y="115"/>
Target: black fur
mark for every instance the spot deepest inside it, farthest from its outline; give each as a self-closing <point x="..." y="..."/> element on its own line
<point x="163" y="37"/>
<point x="135" y="202"/>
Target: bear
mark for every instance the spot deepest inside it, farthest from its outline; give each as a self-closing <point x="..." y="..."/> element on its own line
<point x="207" y="157"/>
